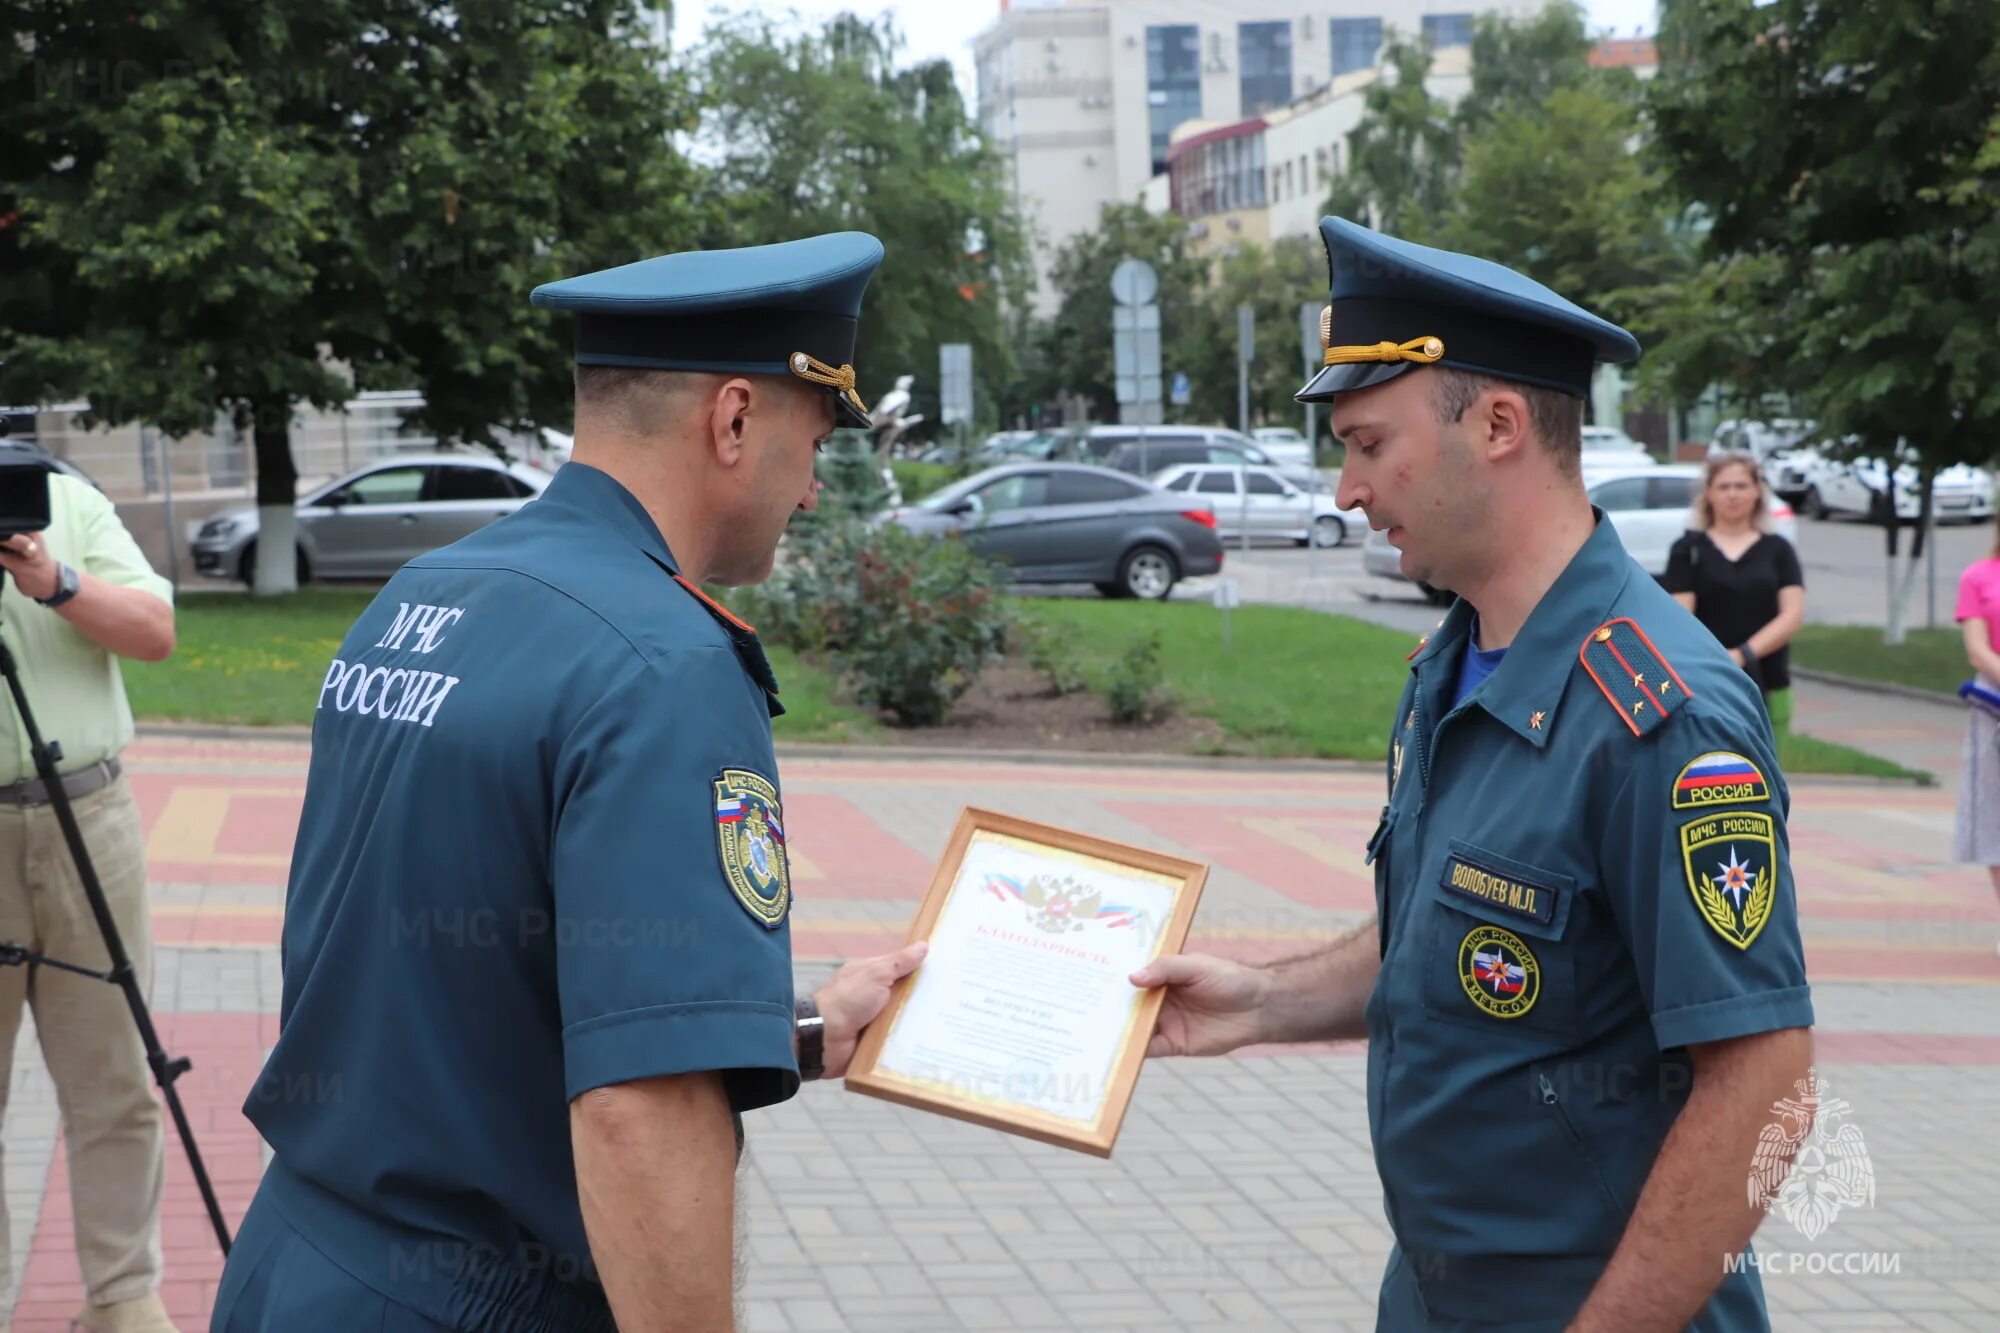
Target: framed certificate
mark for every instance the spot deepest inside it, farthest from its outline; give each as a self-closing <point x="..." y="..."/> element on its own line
<point x="1023" y="1017"/>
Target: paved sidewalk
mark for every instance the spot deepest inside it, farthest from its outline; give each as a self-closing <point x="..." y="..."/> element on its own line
<point x="1242" y="1194"/>
<point x="1913" y="732"/>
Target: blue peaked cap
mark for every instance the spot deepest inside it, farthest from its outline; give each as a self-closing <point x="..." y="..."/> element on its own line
<point x="1394" y="305"/>
<point x="761" y="310"/>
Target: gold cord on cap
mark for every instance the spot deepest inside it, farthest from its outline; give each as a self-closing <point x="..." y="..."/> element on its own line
<point x="833" y="377"/>
<point x="1425" y="350"/>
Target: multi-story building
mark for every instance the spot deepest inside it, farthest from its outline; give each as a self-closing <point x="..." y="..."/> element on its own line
<point x="1265" y="177"/>
<point x="1083" y="96"/>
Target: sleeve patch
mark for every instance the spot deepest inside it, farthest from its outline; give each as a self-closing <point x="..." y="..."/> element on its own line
<point x="1732" y="871"/>
<point x="750" y="839"/>
<point x="1632" y="674"/>
<point x="1720" y="777"/>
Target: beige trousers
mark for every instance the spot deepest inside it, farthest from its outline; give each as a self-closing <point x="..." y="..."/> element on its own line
<point x="111" y="1121"/>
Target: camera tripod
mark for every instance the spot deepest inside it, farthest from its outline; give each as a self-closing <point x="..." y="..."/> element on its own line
<point x="166" y="1069"/>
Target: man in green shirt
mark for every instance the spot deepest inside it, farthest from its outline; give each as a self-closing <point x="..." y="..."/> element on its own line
<point x="79" y="596"/>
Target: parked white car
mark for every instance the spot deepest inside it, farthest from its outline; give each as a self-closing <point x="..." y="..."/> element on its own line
<point x="1265" y="503"/>
<point x="1648" y="506"/>
<point x="1286" y="446"/>
<point x="1822" y="486"/>
<point x="1761" y="439"/>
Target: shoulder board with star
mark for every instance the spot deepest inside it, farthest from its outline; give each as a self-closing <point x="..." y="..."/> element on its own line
<point x="1638" y="682"/>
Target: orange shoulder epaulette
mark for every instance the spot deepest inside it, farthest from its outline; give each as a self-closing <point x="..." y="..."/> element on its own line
<point x="1640" y="684"/>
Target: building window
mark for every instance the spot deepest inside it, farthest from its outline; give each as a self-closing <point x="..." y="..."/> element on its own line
<point x="1264" y="62"/>
<point x="1173" y="83"/>
<point x="1355" y="42"/>
<point x="1442" y="30"/>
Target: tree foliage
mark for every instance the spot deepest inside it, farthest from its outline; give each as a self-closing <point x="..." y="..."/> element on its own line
<point x="1844" y="157"/>
<point x="234" y="209"/>
<point x="808" y="131"/>
<point x="1402" y="159"/>
<point x="1273" y="281"/>
<point x="1076" y="349"/>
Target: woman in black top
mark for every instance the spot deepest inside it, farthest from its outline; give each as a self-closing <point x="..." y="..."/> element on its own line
<point x="1739" y="578"/>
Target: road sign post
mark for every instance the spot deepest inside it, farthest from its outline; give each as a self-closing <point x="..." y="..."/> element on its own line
<point x="1246" y="343"/>
<point x="1313" y="355"/>
<point x="1135" y="345"/>
<point x="955" y="388"/>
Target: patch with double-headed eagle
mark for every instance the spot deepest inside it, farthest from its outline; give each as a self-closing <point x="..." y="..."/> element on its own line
<point x="750" y="838"/>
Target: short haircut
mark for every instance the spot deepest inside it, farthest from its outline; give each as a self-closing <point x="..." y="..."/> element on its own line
<point x="1557" y="416"/>
<point x="633" y="400"/>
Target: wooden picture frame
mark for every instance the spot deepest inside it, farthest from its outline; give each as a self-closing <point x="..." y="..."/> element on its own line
<point x="1058" y="881"/>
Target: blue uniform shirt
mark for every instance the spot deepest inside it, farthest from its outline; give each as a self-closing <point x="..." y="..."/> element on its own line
<point x="1572" y="889"/>
<point x="542" y="851"/>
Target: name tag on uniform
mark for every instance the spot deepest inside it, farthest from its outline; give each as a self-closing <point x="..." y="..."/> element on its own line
<point x="1508" y="890"/>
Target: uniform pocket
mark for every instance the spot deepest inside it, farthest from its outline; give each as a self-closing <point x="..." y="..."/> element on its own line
<point x="1499" y="955"/>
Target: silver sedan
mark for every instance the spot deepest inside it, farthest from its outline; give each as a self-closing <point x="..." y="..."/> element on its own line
<point x="371" y="522"/>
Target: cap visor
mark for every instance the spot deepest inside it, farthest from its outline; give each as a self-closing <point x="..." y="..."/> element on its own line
<point x="846" y="414"/>
<point x="1345" y="379"/>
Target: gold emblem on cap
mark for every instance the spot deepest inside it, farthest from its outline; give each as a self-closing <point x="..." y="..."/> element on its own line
<point x="1424" y="350"/>
<point x="838" y="378"/>
<point x="1326" y="327"/>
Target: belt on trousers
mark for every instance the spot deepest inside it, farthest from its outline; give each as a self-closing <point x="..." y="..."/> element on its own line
<point x="33" y="791"/>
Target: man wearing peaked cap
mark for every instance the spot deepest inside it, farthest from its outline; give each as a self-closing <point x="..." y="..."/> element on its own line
<point x="1583" y="989"/>
<point x="537" y="955"/>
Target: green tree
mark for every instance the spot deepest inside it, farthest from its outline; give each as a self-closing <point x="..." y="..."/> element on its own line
<point x="1553" y="189"/>
<point x="230" y="210"/>
<point x="1402" y="158"/>
<point x="1518" y="63"/>
<point x="1076" y="343"/>
<point x="812" y="131"/>
<point x="1273" y="282"/>
<point x="1849" y="151"/>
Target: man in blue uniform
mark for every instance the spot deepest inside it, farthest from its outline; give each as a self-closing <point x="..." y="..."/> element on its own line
<point x="537" y="953"/>
<point x="1584" y="988"/>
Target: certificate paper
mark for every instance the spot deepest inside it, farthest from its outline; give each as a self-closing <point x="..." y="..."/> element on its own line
<point x="1022" y="1015"/>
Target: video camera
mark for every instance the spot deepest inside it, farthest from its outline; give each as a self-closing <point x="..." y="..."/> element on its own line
<point x="24" y="491"/>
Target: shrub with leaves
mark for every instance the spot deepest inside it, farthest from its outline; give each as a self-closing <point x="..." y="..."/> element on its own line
<point x="1050" y="655"/>
<point x="925" y="616"/>
<point x="1136" y="687"/>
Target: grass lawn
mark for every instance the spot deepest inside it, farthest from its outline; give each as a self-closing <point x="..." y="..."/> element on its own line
<point x="1291" y="683"/>
<point x="1930" y="659"/>
<point x="260" y="662"/>
<point x="254" y="662"/>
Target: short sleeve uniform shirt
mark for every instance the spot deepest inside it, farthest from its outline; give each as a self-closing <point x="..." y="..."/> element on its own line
<point x="1576" y="881"/>
<point x="542" y="851"/>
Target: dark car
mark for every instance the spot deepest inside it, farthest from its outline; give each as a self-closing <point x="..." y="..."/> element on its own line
<point x="1069" y="523"/>
<point x="1156" y="453"/>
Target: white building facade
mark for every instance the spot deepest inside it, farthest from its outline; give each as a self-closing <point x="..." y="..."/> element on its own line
<point x="1083" y="98"/>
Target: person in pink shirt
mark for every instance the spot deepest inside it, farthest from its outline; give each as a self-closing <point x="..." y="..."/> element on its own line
<point x="1977" y="838"/>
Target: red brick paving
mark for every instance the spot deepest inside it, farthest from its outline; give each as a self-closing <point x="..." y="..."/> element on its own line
<point x="857" y="859"/>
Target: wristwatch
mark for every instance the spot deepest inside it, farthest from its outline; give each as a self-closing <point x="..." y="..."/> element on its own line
<point x="809" y="1029"/>
<point x="67" y="582"/>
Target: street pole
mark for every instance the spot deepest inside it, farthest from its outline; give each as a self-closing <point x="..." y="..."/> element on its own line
<point x="167" y="509"/>
<point x="1930" y="566"/>
<point x="1246" y="332"/>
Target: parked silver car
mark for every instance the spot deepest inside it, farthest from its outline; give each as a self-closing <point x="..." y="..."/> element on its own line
<point x="1070" y="523"/>
<point x="372" y="522"/>
<point x="1263" y="502"/>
